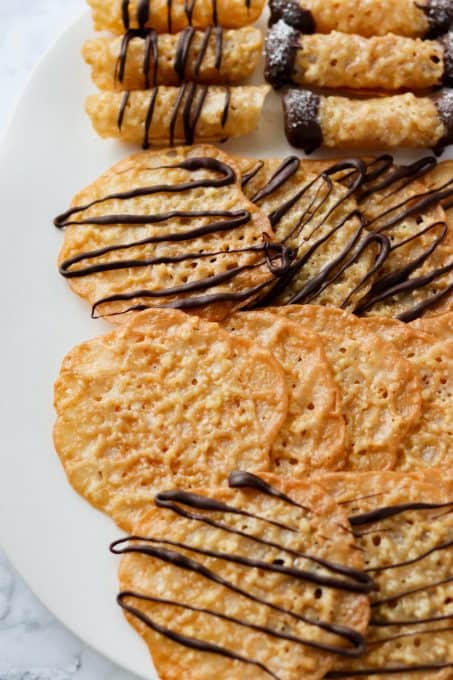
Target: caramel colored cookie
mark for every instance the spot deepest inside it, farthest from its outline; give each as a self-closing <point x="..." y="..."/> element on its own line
<point x="380" y="394"/>
<point x="246" y="583"/>
<point x="404" y="526"/>
<point x="169" y="228"/>
<point x="430" y="442"/>
<point x="439" y="326"/>
<point x="316" y="216"/>
<point x="165" y="400"/>
<point x="313" y="435"/>
<point x="140" y="61"/>
<point x="401" y="120"/>
<point x="366" y="17"/>
<point x="343" y="60"/>
<point x="177" y="115"/>
<point x="169" y="16"/>
<point x="417" y="276"/>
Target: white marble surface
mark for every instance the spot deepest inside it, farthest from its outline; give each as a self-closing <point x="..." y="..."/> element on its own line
<point x="33" y="645"/>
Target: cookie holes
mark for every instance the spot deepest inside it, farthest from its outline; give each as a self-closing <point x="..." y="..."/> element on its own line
<point x="334" y="62"/>
<point x="318" y="593"/>
<point x="435" y="59"/>
<point x="278" y="562"/>
<point x="376" y="540"/>
<point x="311" y="406"/>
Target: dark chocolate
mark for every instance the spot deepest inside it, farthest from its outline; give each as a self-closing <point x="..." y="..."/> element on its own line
<point x="440" y="16"/>
<point x="447" y="45"/>
<point x="302" y="126"/>
<point x="293" y="13"/>
<point x="282" y="42"/>
<point x="169" y="552"/>
<point x="443" y="101"/>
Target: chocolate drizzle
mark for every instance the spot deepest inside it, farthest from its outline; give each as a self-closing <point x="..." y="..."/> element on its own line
<point x="188" y="108"/>
<point x="379" y="176"/>
<point x="150" y="39"/>
<point x="183" y="504"/>
<point x="373" y="517"/>
<point x="93" y="261"/>
<point x="143" y="17"/>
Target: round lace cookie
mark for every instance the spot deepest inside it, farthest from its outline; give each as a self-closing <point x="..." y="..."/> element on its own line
<point x="165" y="400"/>
<point x="316" y="216"/>
<point x="247" y="583"/>
<point x="430" y="442"/>
<point x="167" y="229"/>
<point x="404" y="526"/>
<point x="313" y="435"/>
<point x="380" y="393"/>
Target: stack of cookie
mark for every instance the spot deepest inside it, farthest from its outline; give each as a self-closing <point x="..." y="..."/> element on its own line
<point x="169" y="73"/>
<point x="283" y="470"/>
<point x="194" y="229"/>
<point x="246" y="462"/>
<point x="386" y="58"/>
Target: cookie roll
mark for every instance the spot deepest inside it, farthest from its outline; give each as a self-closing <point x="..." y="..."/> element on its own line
<point x="137" y="62"/>
<point x="169" y="16"/>
<point x="412" y="18"/>
<point x="404" y="120"/>
<point x="336" y="60"/>
<point x="186" y="114"/>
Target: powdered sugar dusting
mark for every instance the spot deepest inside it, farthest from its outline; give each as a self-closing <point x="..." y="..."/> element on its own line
<point x="281" y="45"/>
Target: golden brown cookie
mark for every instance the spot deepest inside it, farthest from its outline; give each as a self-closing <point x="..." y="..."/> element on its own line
<point x="417" y="276"/>
<point x="439" y="326"/>
<point x="169" y="228"/>
<point x="380" y="394"/>
<point x="165" y="400"/>
<point x="140" y="61"/>
<point x="168" y="16"/>
<point x="236" y="583"/>
<point x="430" y="442"/>
<point x="344" y="60"/>
<point x="404" y="526"/>
<point x="366" y="17"/>
<point x="177" y="115"/>
<point x="402" y="120"/>
<point x="313" y="435"/>
<point x="316" y="216"/>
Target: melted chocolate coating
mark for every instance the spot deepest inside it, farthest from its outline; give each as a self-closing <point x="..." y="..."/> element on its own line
<point x="282" y="42"/>
<point x="447" y="44"/>
<point x="440" y="16"/>
<point x="302" y="126"/>
<point x="443" y="101"/>
<point x="293" y="13"/>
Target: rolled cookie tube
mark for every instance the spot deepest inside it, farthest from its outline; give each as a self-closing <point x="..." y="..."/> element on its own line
<point x="170" y="16"/>
<point x="403" y="120"/>
<point x="188" y="114"/>
<point x="138" y="62"/>
<point x="412" y="18"/>
<point x="334" y="60"/>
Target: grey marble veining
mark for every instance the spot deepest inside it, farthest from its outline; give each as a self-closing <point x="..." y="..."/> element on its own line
<point x="33" y="645"/>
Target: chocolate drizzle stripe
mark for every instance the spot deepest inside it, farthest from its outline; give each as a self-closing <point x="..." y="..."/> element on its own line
<point x="409" y="622"/>
<point x="300" y="574"/>
<point x="248" y="176"/>
<point x="122" y="109"/>
<point x="184" y="640"/>
<point x="391" y="511"/>
<point x="413" y="591"/>
<point x="419" y="558"/>
<point x="149" y="116"/>
<point x="284" y="172"/>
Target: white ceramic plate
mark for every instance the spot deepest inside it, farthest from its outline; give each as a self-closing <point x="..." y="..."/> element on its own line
<point x="55" y="539"/>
